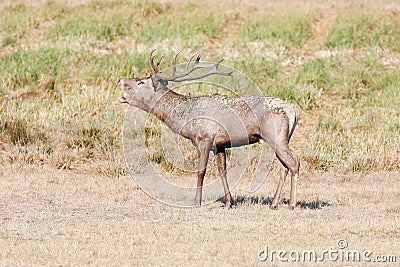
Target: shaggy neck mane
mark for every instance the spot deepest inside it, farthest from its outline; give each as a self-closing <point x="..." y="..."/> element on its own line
<point x="165" y="104"/>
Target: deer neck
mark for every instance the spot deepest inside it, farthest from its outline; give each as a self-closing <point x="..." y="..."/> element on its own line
<point x="165" y="104"/>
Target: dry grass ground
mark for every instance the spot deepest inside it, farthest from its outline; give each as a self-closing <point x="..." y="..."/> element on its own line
<point x="54" y="217"/>
<point x="65" y="196"/>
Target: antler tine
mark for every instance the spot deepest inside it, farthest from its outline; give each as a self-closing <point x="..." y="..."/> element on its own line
<point x="158" y="64"/>
<point x="174" y="63"/>
<point x="190" y="60"/>
<point x="216" y="65"/>
<point x="198" y="58"/>
<point x="151" y="62"/>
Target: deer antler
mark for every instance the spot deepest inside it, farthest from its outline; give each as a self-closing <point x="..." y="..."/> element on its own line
<point x="190" y="67"/>
<point x="151" y="62"/>
<point x="154" y="69"/>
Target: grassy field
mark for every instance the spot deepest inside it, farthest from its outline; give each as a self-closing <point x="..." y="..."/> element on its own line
<point x="65" y="193"/>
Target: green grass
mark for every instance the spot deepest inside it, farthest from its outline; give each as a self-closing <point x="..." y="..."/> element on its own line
<point x="31" y="67"/>
<point x="59" y="66"/>
<point x="262" y="68"/>
<point x="96" y="21"/>
<point x="143" y="21"/>
<point x="358" y="28"/>
<point x="19" y="22"/>
<point x="287" y="29"/>
<point x="13" y="28"/>
<point x="27" y="67"/>
<point x="187" y="22"/>
<point x="80" y="126"/>
<point x="366" y="144"/>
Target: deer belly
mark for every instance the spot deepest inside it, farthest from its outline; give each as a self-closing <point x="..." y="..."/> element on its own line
<point x="235" y="141"/>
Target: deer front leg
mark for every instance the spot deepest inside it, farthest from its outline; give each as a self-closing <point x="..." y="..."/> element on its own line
<point x="221" y="163"/>
<point x="203" y="147"/>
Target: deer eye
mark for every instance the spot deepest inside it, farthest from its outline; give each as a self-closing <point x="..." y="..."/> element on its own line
<point x="140" y="82"/>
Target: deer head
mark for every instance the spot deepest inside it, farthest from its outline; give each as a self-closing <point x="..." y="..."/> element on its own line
<point x="143" y="92"/>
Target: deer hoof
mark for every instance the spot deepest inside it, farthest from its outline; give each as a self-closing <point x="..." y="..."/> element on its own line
<point x="197" y="204"/>
<point x="273" y="207"/>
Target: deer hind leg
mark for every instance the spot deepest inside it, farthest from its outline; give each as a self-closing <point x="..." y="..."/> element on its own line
<point x="289" y="163"/>
<point x="221" y="163"/>
<point x="283" y="173"/>
<point x="279" y="141"/>
<point x="203" y="148"/>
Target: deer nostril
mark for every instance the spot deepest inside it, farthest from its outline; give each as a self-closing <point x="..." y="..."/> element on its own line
<point x="119" y="81"/>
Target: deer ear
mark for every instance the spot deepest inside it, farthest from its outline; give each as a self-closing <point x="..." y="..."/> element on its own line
<point x="158" y="84"/>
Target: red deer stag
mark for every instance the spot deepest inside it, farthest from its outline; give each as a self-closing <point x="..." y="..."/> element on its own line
<point x="217" y="122"/>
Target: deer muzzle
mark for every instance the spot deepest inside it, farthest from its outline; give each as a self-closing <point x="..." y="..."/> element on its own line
<point x="122" y="99"/>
